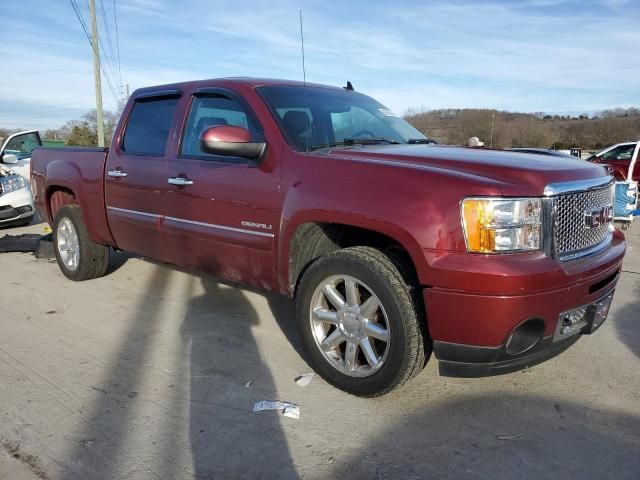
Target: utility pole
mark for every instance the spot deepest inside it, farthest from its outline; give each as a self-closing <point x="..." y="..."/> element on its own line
<point x="96" y="73"/>
<point x="493" y="117"/>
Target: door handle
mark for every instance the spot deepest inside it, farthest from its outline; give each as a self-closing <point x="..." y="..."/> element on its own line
<point x="116" y="173"/>
<point x="181" y="181"/>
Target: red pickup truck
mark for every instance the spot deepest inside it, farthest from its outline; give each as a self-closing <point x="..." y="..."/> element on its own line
<point x="392" y="247"/>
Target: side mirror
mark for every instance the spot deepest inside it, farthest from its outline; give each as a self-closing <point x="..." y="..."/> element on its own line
<point x="9" y="158"/>
<point x="231" y="141"/>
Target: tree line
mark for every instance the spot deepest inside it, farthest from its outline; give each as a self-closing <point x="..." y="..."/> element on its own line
<point x="499" y="129"/>
<point x="502" y="129"/>
<point x="78" y="133"/>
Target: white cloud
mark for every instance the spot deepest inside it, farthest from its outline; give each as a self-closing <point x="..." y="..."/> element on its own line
<point x="529" y="55"/>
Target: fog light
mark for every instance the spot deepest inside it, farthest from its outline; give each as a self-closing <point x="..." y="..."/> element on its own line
<point x="573" y="321"/>
<point x="525" y="336"/>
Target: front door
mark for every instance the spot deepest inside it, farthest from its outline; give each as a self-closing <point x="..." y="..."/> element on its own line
<point x="21" y="144"/>
<point x="619" y="158"/>
<point x="221" y="214"/>
<point x="136" y="176"/>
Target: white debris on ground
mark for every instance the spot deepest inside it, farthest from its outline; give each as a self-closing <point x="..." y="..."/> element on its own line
<point x="304" y="379"/>
<point x="285" y="408"/>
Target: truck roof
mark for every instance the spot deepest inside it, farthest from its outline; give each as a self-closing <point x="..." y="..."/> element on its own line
<point x="247" y="81"/>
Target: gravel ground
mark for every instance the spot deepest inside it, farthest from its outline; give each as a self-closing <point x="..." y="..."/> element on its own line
<point x="144" y="373"/>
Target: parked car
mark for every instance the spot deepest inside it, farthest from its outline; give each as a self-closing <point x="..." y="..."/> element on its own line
<point x="16" y="200"/>
<point x="391" y="247"/>
<point x="622" y="160"/>
<point x="542" y="151"/>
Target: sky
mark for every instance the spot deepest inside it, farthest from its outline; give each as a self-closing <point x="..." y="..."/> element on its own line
<point x="554" y="56"/>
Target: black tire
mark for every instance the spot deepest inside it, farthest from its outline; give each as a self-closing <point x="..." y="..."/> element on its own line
<point x="390" y="280"/>
<point x="93" y="258"/>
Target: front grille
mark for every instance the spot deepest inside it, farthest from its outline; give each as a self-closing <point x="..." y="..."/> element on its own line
<point x="572" y="235"/>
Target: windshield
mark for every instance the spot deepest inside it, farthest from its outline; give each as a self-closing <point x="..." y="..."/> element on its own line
<point x="313" y="117"/>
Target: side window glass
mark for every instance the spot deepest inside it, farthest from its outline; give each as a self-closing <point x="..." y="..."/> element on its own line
<point x="299" y="126"/>
<point x="148" y="126"/>
<point x="619" y="154"/>
<point x="209" y="111"/>
<point x="22" y="145"/>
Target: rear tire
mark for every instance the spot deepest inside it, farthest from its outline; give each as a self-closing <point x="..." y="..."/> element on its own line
<point x="371" y="337"/>
<point x="78" y="256"/>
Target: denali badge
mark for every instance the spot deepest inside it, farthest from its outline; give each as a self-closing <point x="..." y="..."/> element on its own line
<point x="597" y="217"/>
<point x="263" y="226"/>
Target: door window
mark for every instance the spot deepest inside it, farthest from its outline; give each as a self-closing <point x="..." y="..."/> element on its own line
<point x="22" y="145"/>
<point x="148" y="126"/>
<point x="623" y="153"/>
<point x="209" y="111"/>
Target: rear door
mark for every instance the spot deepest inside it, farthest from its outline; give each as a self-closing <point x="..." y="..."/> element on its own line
<point x="136" y="175"/>
<point x="223" y="221"/>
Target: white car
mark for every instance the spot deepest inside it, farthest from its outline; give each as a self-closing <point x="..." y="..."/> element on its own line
<point x="16" y="200"/>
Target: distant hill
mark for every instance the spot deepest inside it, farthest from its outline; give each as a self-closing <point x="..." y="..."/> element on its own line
<point x="511" y="129"/>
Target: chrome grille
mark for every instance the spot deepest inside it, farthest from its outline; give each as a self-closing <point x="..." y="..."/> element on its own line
<point x="571" y="233"/>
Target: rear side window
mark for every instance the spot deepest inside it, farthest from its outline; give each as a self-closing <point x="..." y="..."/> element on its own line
<point x="148" y="126"/>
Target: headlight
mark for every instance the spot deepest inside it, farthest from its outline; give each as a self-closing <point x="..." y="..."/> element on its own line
<point x="11" y="183"/>
<point x="495" y="225"/>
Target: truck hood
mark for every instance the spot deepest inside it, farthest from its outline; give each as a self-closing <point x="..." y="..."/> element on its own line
<point x="512" y="173"/>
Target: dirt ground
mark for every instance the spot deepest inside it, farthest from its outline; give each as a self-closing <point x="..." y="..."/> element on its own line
<point x="143" y="374"/>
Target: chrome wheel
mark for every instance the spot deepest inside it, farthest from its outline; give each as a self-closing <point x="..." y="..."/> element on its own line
<point x="68" y="244"/>
<point x="349" y="325"/>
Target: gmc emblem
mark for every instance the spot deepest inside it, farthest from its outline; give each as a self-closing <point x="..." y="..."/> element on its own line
<point x="597" y="217"/>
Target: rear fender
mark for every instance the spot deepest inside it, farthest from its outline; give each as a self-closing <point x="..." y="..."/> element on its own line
<point x="89" y="196"/>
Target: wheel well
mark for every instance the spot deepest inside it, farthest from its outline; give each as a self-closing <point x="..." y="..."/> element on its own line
<point x="57" y="198"/>
<point x="313" y="240"/>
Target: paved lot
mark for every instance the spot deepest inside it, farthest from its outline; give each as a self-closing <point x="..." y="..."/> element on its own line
<point x="141" y="374"/>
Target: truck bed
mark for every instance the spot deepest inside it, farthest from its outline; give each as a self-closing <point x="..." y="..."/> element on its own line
<point x="78" y="168"/>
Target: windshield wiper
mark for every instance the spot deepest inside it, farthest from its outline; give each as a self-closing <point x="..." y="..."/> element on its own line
<point x="355" y="141"/>
<point x="415" y="141"/>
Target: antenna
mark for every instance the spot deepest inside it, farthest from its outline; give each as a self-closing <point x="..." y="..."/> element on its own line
<point x="304" y="74"/>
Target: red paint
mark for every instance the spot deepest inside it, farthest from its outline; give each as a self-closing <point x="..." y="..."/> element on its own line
<point x="226" y="133"/>
<point x="410" y="193"/>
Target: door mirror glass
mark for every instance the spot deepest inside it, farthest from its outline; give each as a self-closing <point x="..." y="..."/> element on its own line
<point x="230" y="141"/>
<point x="9" y="158"/>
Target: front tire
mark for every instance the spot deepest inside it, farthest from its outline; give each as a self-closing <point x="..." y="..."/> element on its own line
<point x="360" y="322"/>
<point x="78" y="256"/>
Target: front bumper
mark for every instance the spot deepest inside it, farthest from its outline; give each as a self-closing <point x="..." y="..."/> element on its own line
<point x="470" y="361"/>
<point x="471" y="330"/>
<point x="15" y="206"/>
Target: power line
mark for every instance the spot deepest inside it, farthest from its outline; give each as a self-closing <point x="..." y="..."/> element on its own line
<point x="106" y="26"/>
<point x="110" y="65"/>
<point x="109" y="60"/>
<point x="115" y="21"/>
<point x="76" y="9"/>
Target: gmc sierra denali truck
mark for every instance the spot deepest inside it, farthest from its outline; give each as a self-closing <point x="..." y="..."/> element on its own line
<point x="392" y="247"/>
